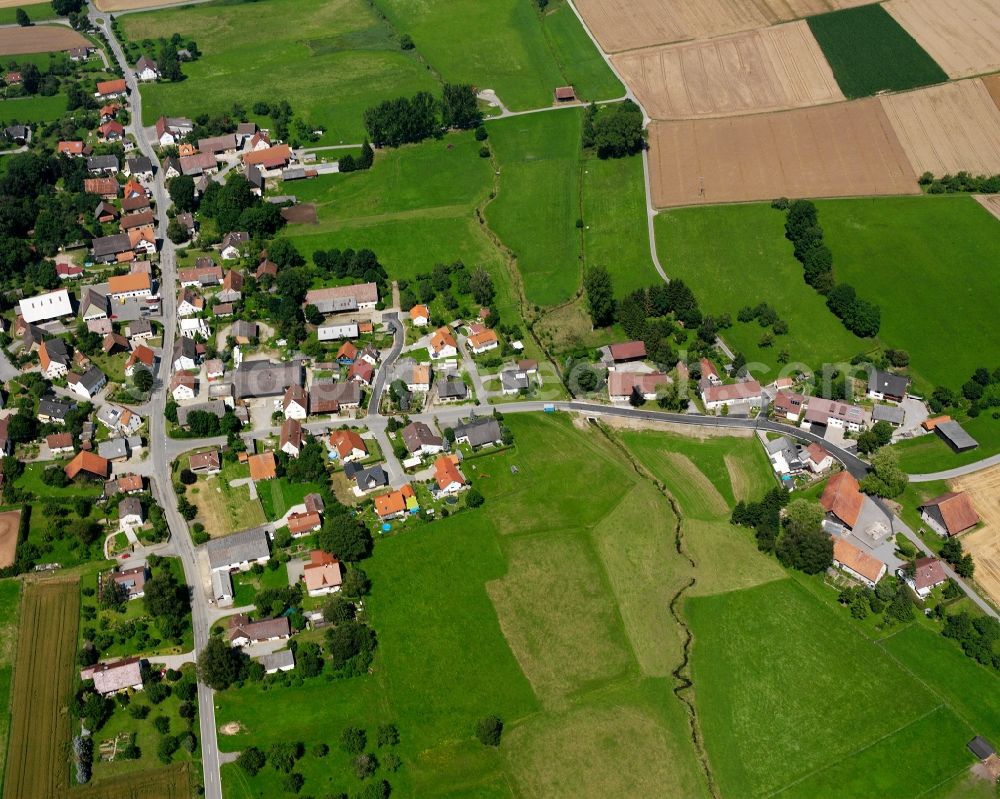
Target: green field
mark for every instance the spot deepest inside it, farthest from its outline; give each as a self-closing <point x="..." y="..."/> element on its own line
<point x="738" y="255"/>
<point x="37" y="12"/>
<point x="536" y="208"/>
<point x="870" y="52"/>
<point x="507" y="47"/>
<point x="833" y="701"/>
<point x="33" y="109"/>
<point x="330" y="60"/>
<point x="926" y="261"/>
<point x="278" y="496"/>
<point x="10" y="602"/>
<point x="928" y="454"/>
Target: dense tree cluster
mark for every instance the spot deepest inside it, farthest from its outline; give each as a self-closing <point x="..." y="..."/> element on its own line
<point x="802" y="228"/>
<point x="886" y="479"/>
<point x="406" y="120"/>
<point x="890" y="597"/>
<point x="234" y="206"/>
<point x="961" y="182"/>
<point x="961" y="561"/>
<point x="614" y="131"/>
<point x="878" y="436"/>
<point x="796" y="537"/>
<point x="979" y="393"/>
<point x="362" y="265"/>
<point x="168" y="601"/>
<point x="977" y="635"/>
<point x="349" y="163"/>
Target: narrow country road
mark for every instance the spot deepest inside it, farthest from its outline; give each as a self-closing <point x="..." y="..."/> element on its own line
<point x="160" y="481"/>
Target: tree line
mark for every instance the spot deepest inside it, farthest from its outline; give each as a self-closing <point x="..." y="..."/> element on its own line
<point x="407" y="120"/>
<point x="802" y="228"/>
<point x="796" y="537"/>
<point x="961" y="182"/>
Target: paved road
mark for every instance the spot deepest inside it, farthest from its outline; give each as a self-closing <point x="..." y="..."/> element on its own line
<point x="958" y="471"/>
<point x="161" y="483"/>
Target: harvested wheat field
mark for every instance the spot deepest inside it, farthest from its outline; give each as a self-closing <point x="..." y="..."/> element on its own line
<point x="837" y="150"/>
<point x="947" y="128"/>
<point x="626" y="26"/>
<point x="991" y="202"/>
<point x="10" y="526"/>
<point x="963" y="36"/>
<point x="763" y="70"/>
<point x="983" y="489"/>
<point x="39" y="39"/>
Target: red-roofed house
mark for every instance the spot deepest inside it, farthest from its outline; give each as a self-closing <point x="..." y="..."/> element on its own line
<point x="322" y="574"/>
<point x="950" y="514"/>
<point x="448" y="478"/>
<point x="627" y="352"/>
<point x="348" y="445"/>
<point x="929" y="574"/>
<point x="856" y="562"/>
<point x="842" y="498"/>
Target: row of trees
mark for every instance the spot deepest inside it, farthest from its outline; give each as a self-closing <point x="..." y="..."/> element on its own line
<point x="797" y="537"/>
<point x="406" y="120"/>
<point x="981" y="391"/>
<point x="614" y="131"/>
<point x="802" y="228"/>
<point x="959" y="183"/>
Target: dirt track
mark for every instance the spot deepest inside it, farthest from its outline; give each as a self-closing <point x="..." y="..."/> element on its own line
<point x="947" y="128"/>
<point x="839" y="150"/>
<point x="642" y="23"/>
<point x="963" y="36"/>
<point x="39" y="39"/>
<point x="983" y="489"/>
<point x="764" y="70"/>
<point x="10" y="523"/>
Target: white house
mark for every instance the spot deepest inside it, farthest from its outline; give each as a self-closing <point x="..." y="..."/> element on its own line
<point x="239" y="551"/>
<point x="745" y="393"/>
<point x="928" y="574"/>
<point x="818" y="459"/>
<point x="295" y="403"/>
<point x="129" y="514"/>
<point x="146" y="69"/>
<point x="193" y="327"/>
<point x="290" y="441"/>
<point x="182" y="386"/>
<point x="442" y="344"/>
<point x="234" y="244"/>
<point x="420" y="316"/>
<point x="43" y="307"/>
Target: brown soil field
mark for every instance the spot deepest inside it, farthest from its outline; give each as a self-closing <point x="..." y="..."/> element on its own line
<point x="963" y="36"/>
<point x="991" y="202"/>
<point x="837" y="150"/>
<point x="626" y="26"/>
<point x="43" y="683"/>
<point x="983" y="489"/>
<point x="169" y="782"/>
<point x="39" y="39"/>
<point x="947" y="128"/>
<point x="303" y="214"/>
<point x="10" y="522"/>
<point x="762" y="70"/>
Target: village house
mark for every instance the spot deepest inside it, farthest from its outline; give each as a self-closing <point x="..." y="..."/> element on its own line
<point x="130" y="514"/>
<point x="842" y="499"/>
<point x="113" y="678"/>
<point x="232" y="287"/>
<point x="295" y="403"/>
<point x="243" y="632"/>
<point x="834" y="413"/>
<point x="348" y="445"/>
<point x="262" y="466"/>
<point x="239" y="551"/>
<point x="859" y="564"/>
<point x="139" y="330"/>
<point x="189" y="303"/>
<point x="621" y="384"/>
<point x="132" y="581"/>
<point x="60" y="443"/>
<point x="44" y="307"/>
<point x="514" y="382"/>
<point x="143" y="242"/>
<point x="118" y="449"/>
<point x="420" y="439"/>
<point x="366" y="479"/>
<point x="170" y="130"/>
<point x="114" y="343"/>
<point x="626" y="352"/>
<point x="322" y="574"/>
<point x="88" y="464"/>
<point x="887" y="386"/>
<point x="54" y="410"/>
<point x="102" y="164"/>
<point x="420" y="316"/>
<point x="66" y="271"/>
<point x="447" y="477"/>
<point x="54" y="358"/>
<point x="452" y="389"/>
<point x="418" y="377"/>
<point x="234" y="245"/>
<point x="244" y="332"/>
<point x="138" y="166"/>
<point x="185" y="354"/>
<point x="266" y="379"/>
<point x="330" y="397"/>
<point x="949" y="514"/>
<point x="784" y="456"/>
<point x="105" y="188"/>
<point x="817" y="458"/>
<point x="347" y="354"/>
<point x="479" y="432"/>
<point x="111" y="131"/>
<point x="132" y="285"/>
<point x="483" y="342"/>
<point x="110" y="89"/>
<point x="301" y="524"/>
<point x="789" y="405"/>
<point x="343" y="299"/>
<point x="891" y="414"/>
<point x="208" y="462"/>
<point x="198" y="164"/>
<point x="928" y="574"/>
<point x="183" y="386"/>
<point x="745" y="394"/>
<point x="709" y="372"/>
<point x="193" y="327"/>
<point x="72" y="149"/>
<point x="202" y="275"/>
<point x="269" y="158"/>
<point x="442" y="344"/>
<point x="112" y="249"/>
<point x="395" y="504"/>
<point x="361" y="372"/>
<point x="89" y="384"/>
<point x="214" y="368"/>
<point x="290" y="440"/>
<point x="105" y="212"/>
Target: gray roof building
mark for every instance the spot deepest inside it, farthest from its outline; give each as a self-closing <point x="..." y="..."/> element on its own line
<point x="955" y="435"/>
<point x="892" y="414"/>
<point x="139" y="165"/>
<point x="107" y="248"/>
<point x="238" y="550"/>
<point x="367" y="478"/>
<point x="452" y="388"/>
<point x="277" y="661"/>
<point x="102" y="163"/>
<point x="418" y="435"/>
<point x="888" y="384"/>
<point x="265" y="379"/>
<point x="130" y="506"/>
<point x="217" y="408"/>
<point x="114" y="449"/>
<point x="54" y="408"/>
<point x="513" y="381"/>
<point x="479" y="432"/>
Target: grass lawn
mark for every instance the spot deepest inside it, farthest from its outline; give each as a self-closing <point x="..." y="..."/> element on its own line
<point x="738" y="255"/>
<point x="37" y="12"/>
<point x="33" y="109"/>
<point x="869" y="52"/>
<point x="787" y="689"/>
<point x="927" y="262"/>
<point x="10" y="603"/>
<point x="330" y="60"/>
<point x="538" y="203"/>
<point x="929" y="453"/>
<point x="506" y="46"/>
<point x="224" y="508"/>
<point x="31" y="481"/>
<point x="614" y="212"/>
<point x="277" y="496"/>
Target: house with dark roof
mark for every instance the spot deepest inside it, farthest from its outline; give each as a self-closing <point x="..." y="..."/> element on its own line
<point x="421" y="440"/>
<point x="480" y="432"/>
<point x="368" y="478"/>
<point x="54" y="410"/>
<point x="89" y="384"/>
<point x="627" y="352"/>
<point x="887" y="386"/>
<point x="452" y="389"/>
<point x="243" y="632"/>
<point x="330" y="397"/>
<point x="266" y="379"/>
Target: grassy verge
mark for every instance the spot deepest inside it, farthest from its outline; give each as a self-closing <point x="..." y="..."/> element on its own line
<point x="37" y="12"/>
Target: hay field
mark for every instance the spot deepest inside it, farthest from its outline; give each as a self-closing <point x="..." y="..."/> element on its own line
<point x="947" y="128"/>
<point x="132" y="5"/>
<point x="983" y="489"/>
<point x="39" y="39"/>
<point x="963" y="36"/>
<point x="10" y="523"/>
<point x="761" y="70"/>
<point x="40" y="730"/>
<point x="838" y="150"/>
<point x="626" y="26"/>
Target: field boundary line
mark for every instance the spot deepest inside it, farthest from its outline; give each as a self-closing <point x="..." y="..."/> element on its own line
<point x="859" y="750"/>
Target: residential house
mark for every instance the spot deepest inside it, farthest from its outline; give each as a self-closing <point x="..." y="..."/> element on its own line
<point x="709" y="372"/>
<point x="102" y="164"/>
<point x="361" y="372"/>
<point x="53" y="355"/>
<point x="218" y="145"/>
<point x="115" y="450"/>
<point x="627" y="352"/>
<point x="789" y="404"/>
<point x="243" y="632"/>
<point x="266" y="379"/>
<point x="133" y="580"/>
<point x="214" y="368"/>
<point x="330" y="397"/>
<point x="222" y="310"/>
<point x="234" y="244"/>
<point x="172" y="167"/>
<point x="143" y="219"/>
<point x="170" y="130"/>
<point x="342" y="299"/>
<point x="129" y="484"/>
<point x="256" y="181"/>
<point x="205" y="273"/>
<point x="105" y="188"/>
<point x="270" y="158"/>
<point x="141" y="356"/>
<point x="928" y="575"/>
<point x="183" y="386"/>
<point x="54" y="410"/>
<point x="110" y="89"/>
<point x="266" y="268"/>
<point x="420" y="315"/>
<point x="185" y="354"/>
<point x="244" y="332"/>
<point x="111" y="131"/>
<point x="17" y="134"/>
<point x="239" y="551"/>
<point x="950" y="514"/>
<point x="232" y="287"/>
<point x="447" y="477"/>
<point x="368" y="478"/>
<point x="112" y="249"/>
<point x="262" y="466"/>
<point x="43" y="307"/>
<point x="452" y="389"/>
<point x="146" y="69"/>
<point x="834" y="413"/>
<point x="187" y="223"/>
<point x="72" y="149"/>
<point x="60" y="443"/>
<point x="621" y="384"/>
<point x="347" y="354"/>
<point x="189" y="303"/>
<point x="856" y="562"/>
<point x="88" y="464"/>
<point x="130" y="514"/>
<point x="891" y="414"/>
<point x="78" y="53"/>
<point x="113" y="678"/>
<point x="105" y="211"/>
<point x="513" y="382"/>
<point x="290" y="441"/>
<point x="483" y="341"/>
<point x="313" y="503"/>
<point x="420" y="439"/>
<point x="139" y="330"/>
<point x="139" y="166"/>
<point x="715" y="397"/>
<point x="442" y="344"/>
<point x="817" y="458"/>
<point x="244" y="131"/>
<point x="208" y="462"/>
<point x="418" y="377"/>
<point x="322" y="574"/>
<point x="295" y="402"/>
<point x="348" y="445"/>
<point x="193" y="327"/>
<point x="842" y="499"/>
<point x="143" y="242"/>
<point x="887" y="386"/>
<point x="198" y="164"/>
<point x="479" y="432"/>
<point x="784" y="456"/>
<point x="302" y="524"/>
<point x="113" y="343"/>
<point x="89" y="384"/>
<point x="395" y="504"/>
<point x="32" y="336"/>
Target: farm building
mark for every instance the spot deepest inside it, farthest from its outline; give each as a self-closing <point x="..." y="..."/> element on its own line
<point x="950" y="514"/>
